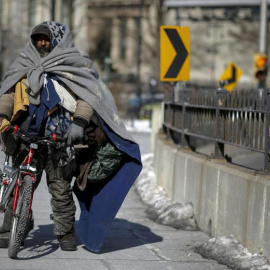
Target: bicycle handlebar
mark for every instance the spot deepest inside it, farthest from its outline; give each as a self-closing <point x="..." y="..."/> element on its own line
<point x="23" y="135"/>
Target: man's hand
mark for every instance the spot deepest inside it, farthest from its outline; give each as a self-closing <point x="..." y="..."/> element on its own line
<point x="4" y="125"/>
<point x="74" y="133"/>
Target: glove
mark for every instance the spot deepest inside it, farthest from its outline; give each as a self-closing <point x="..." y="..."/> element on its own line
<point x="4" y="125"/>
<point x="74" y="133"/>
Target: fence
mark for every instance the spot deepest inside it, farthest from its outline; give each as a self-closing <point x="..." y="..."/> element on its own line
<point x="238" y="118"/>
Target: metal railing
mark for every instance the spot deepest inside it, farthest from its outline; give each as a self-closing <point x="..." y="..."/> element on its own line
<point x="238" y="118"/>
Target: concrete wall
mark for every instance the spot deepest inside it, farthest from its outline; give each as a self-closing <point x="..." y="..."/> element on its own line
<point x="227" y="199"/>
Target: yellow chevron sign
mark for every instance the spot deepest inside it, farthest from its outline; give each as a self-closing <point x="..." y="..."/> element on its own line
<point x="174" y="53"/>
<point x="231" y="75"/>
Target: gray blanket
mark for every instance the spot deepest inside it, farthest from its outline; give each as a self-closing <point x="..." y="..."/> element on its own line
<point x="75" y="70"/>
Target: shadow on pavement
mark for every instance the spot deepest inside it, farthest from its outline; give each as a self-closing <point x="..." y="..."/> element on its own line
<point x="124" y="234"/>
<point x="39" y="243"/>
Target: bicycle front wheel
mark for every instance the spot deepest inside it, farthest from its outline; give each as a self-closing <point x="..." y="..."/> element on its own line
<point x="21" y="217"/>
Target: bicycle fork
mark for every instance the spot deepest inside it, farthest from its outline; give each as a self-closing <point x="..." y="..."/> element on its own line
<point x="26" y="169"/>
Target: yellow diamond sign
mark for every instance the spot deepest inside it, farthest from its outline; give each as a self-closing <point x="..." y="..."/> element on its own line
<point x="174" y="53"/>
<point x="231" y="76"/>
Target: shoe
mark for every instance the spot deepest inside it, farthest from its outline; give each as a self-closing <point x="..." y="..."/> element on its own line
<point x="67" y="242"/>
<point x="5" y="235"/>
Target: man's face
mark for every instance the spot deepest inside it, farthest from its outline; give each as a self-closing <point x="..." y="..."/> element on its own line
<point x="43" y="44"/>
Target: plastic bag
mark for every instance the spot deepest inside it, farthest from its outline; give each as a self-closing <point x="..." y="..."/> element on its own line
<point x="106" y="161"/>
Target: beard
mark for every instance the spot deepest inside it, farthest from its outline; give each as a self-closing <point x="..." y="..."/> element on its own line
<point x="43" y="51"/>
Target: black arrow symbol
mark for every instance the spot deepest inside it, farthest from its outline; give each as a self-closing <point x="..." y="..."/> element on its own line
<point x="233" y="78"/>
<point x="181" y="53"/>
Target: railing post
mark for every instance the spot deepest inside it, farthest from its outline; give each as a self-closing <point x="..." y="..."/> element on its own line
<point x="184" y="142"/>
<point x="266" y="141"/>
<point x="219" y="147"/>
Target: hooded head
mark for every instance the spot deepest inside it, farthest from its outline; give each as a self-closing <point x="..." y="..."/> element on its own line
<point x="46" y="36"/>
<point x="41" y="29"/>
<point x="41" y="38"/>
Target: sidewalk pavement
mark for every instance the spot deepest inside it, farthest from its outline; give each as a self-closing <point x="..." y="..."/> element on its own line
<point x="133" y="243"/>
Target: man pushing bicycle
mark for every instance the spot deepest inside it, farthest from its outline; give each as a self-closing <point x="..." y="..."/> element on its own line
<point x="51" y="88"/>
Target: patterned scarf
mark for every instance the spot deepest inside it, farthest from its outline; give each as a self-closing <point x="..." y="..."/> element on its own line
<point x="57" y="32"/>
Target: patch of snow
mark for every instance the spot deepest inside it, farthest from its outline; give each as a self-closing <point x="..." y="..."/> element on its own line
<point x="160" y="208"/>
<point x="138" y="125"/>
<point x="226" y="250"/>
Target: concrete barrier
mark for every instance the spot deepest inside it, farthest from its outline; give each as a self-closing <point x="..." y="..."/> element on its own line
<point x="227" y="199"/>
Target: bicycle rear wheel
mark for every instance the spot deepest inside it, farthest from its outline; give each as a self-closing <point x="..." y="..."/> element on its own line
<point x="21" y="217"/>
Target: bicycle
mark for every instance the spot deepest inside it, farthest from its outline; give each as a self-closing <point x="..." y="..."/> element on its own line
<point x="17" y="183"/>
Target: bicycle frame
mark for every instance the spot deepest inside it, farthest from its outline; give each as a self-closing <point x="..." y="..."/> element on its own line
<point x="11" y="179"/>
<point x="20" y="182"/>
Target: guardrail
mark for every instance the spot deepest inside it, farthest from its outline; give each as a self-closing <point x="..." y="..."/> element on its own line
<point x="238" y="118"/>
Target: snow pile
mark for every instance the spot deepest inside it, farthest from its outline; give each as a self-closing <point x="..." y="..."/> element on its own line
<point x="160" y="208"/>
<point x="226" y="250"/>
<point x="138" y="125"/>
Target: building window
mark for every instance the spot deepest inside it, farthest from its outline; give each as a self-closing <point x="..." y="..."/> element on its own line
<point x="32" y="13"/>
<point x="123" y="33"/>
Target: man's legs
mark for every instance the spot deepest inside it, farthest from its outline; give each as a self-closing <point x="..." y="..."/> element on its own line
<point x="63" y="206"/>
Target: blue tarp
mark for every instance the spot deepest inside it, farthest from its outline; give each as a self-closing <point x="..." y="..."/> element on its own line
<point x="100" y="203"/>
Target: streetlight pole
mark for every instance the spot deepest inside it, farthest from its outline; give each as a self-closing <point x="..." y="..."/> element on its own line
<point x="263" y="27"/>
<point x="263" y="35"/>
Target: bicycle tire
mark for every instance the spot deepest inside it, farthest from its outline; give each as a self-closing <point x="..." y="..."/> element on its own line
<point x="20" y="220"/>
